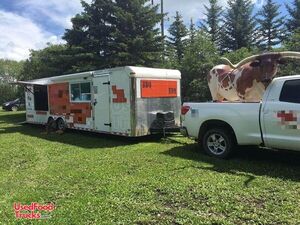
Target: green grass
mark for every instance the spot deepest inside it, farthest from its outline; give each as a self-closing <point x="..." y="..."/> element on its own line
<point x="101" y="179"/>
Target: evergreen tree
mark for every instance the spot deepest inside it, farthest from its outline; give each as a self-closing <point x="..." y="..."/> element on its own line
<point x="293" y="44"/>
<point x="291" y="66"/>
<point x="270" y="29"/>
<point x="117" y="33"/>
<point x="136" y="40"/>
<point x="178" y="33"/>
<point x="211" y="24"/>
<point x="199" y="59"/>
<point x="239" y="25"/>
<point x="91" y="32"/>
<point x="293" y="23"/>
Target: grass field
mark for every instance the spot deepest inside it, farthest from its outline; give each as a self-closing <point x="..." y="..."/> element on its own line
<point x="97" y="179"/>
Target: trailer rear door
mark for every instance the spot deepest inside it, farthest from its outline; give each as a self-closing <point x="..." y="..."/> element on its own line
<point x="101" y="103"/>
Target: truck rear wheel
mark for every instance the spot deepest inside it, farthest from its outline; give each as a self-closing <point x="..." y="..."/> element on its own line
<point x="218" y="143"/>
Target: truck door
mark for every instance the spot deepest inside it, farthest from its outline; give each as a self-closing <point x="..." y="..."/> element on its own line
<point x="281" y="119"/>
<point x="101" y="103"/>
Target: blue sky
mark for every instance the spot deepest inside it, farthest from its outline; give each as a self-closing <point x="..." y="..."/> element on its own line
<point x="31" y="24"/>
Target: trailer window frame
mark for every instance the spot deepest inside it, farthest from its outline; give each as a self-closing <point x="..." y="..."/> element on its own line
<point x="80" y="92"/>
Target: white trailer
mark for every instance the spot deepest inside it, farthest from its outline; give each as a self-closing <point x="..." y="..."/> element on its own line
<point x="127" y="101"/>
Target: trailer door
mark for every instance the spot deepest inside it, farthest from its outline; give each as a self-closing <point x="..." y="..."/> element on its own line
<point x="102" y="120"/>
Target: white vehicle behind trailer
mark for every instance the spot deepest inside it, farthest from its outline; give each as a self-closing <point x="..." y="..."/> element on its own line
<point x="273" y="123"/>
<point x="127" y="101"/>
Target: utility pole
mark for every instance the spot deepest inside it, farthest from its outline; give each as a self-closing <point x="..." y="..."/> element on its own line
<point x="162" y="24"/>
<point x="162" y="18"/>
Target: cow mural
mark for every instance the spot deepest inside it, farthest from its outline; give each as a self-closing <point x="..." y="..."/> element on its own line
<point x="247" y="80"/>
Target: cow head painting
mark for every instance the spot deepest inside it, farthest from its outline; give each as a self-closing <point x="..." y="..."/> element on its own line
<point x="247" y="80"/>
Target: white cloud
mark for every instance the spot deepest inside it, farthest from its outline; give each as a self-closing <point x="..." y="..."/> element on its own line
<point x="58" y="11"/>
<point x="19" y="34"/>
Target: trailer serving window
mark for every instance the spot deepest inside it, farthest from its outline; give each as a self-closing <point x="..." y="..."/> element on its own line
<point x="81" y="92"/>
<point x="40" y="97"/>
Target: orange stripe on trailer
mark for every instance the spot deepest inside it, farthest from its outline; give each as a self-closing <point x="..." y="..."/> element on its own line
<point x="158" y="89"/>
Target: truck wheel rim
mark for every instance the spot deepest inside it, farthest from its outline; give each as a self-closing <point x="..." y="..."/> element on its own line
<point x="14" y="108"/>
<point x="216" y="144"/>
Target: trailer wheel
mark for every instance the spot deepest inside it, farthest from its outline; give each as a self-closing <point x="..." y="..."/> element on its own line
<point x="51" y="124"/>
<point x="61" y="125"/>
<point x="218" y="143"/>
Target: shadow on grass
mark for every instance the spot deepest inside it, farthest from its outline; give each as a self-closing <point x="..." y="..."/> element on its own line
<point x="83" y="139"/>
<point x="246" y="161"/>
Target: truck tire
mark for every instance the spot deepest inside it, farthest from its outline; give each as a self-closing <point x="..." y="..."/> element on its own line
<point x="218" y="143"/>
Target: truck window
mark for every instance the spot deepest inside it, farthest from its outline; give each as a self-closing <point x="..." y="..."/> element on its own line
<point x="81" y="92"/>
<point x="290" y="91"/>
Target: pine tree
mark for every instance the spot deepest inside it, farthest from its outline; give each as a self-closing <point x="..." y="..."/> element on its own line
<point x="117" y="33"/>
<point x="91" y="32"/>
<point x="211" y="24"/>
<point x="137" y="41"/>
<point x="239" y="25"/>
<point x="270" y="29"/>
<point x="293" y="44"/>
<point x="176" y="40"/>
<point x="293" y="23"/>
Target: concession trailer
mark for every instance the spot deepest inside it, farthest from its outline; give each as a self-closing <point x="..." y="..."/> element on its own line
<point x="127" y="101"/>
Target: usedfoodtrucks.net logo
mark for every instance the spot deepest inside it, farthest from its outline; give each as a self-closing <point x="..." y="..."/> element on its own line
<point x="33" y="211"/>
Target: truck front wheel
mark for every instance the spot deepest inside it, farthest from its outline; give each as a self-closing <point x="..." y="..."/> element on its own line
<point x="218" y="143"/>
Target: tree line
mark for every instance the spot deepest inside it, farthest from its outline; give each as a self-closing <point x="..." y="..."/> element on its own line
<point x="111" y="33"/>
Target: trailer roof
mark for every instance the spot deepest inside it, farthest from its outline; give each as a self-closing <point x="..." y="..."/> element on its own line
<point x="144" y="72"/>
<point x="137" y="72"/>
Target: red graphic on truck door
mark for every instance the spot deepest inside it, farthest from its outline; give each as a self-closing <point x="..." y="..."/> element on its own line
<point x="158" y="89"/>
<point x="289" y="119"/>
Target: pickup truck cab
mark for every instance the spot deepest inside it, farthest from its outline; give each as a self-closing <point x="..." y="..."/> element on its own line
<point x="273" y="123"/>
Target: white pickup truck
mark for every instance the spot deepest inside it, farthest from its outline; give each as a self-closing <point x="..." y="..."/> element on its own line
<point x="273" y="123"/>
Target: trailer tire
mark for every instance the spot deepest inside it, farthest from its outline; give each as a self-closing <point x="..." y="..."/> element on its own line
<point x="51" y="125"/>
<point x="60" y="124"/>
<point x="218" y="143"/>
